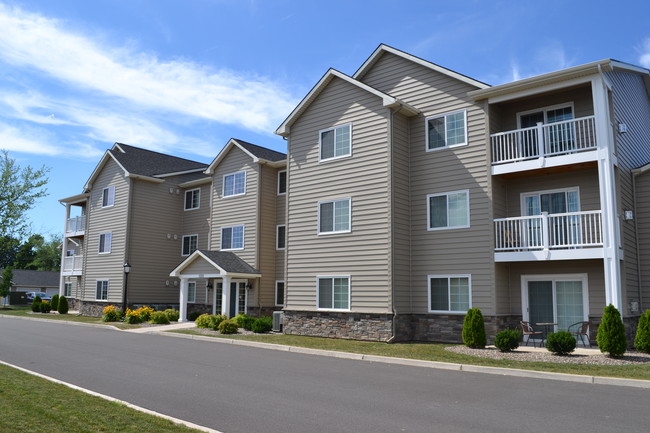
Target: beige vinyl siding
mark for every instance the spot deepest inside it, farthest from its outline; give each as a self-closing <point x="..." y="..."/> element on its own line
<point x="200" y="267"/>
<point x="363" y="253"/>
<point x="101" y="220"/>
<point x="643" y="223"/>
<point x="236" y="210"/>
<point x="454" y="251"/>
<point x="281" y="218"/>
<point x="268" y="218"/>
<point x="401" y="223"/>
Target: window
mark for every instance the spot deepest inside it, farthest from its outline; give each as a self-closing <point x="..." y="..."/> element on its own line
<point x="334" y="216"/>
<point x="108" y="196"/>
<point x="69" y="253"/>
<point x="334" y="293"/>
<point x="67" y="289"/>
<point x="282" y="182"/>
<point x="234" y="184"/>
<point x="102" y="290"/>
<point x="336" y="142"/>
<point x="191" y="292"/>
<point x="232" y="238"/>
<point x="448" y="210"/>
<point x="190" y="244"/>
<point x="281" y="237"/>
<point x="448" y="130"/>
<point x="450" y="293"/>
<point x="105" y="240"/>
<point x="192" y="199"/>
<point x="279" y="293"/>
<point x="219" y="290"/>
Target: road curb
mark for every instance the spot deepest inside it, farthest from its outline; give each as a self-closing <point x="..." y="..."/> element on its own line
<point x="69" y="322"/>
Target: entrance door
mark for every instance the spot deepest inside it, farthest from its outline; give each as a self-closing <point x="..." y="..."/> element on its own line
<point x="238" y="298"/>
<point x="561" y="299"/>
<point x="558" y="138"/>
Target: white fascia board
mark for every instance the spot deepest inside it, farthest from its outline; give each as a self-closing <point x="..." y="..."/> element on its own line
<point x="232" y="142"/>
<point x="79" y="198"/>
<point x="145" y="178"/>
<point x="95" y="173"/>
<point x="178" y="173"/>
<point x="188" y="261"/>
<point x="637" y="171"/>
<point x="197" y="182"/>
<point x="541" y="256"/>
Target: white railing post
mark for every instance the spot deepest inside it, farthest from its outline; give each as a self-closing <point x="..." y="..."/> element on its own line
<point x="540" y="141"/>
<point x="545" y="233"/>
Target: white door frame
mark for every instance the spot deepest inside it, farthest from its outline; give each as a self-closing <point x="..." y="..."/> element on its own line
<point x="554" y="277"/>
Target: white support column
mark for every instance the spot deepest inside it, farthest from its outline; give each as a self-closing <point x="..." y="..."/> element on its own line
<point x="214" y="297"/>
<point x="225" y="297"/>
<point x="63" y="250"/>
<point x="183" y="301"/>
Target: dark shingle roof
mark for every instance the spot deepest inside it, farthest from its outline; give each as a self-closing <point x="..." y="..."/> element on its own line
<point x="149" y="163"/>
<point x="262" y="152"/>
<point x="230" y="262"/>
<point x="23" y="277"/>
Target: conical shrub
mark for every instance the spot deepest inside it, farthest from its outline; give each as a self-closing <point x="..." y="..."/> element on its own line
<point x="642" y="338"/>
<point x="36" y="304"/>
<point x="54" y="303"/>
<point x="611" y="333"/>
<point x="63" y="305"/>
<point x="474" y="329"/>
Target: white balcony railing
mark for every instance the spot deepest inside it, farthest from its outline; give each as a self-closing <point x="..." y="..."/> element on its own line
<point x="548" y="232"/>
<point x="76" y="224"/>
<point x="553" y="139"/>
<point x="73" y="264"/>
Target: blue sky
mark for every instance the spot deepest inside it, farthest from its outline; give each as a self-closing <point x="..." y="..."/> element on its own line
<point x="183" y="76"/>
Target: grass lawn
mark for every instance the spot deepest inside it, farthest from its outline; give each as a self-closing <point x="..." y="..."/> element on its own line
<point x="437" y="352"/>
<point x="26" y="311"/>
<point x="29" y="404"/>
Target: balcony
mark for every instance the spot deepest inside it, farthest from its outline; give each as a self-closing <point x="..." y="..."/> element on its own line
<point x="562" y="236"/>
<point x="72" y="265"/>
<point x="76" y="226"/>
<point x="544" y="145"/>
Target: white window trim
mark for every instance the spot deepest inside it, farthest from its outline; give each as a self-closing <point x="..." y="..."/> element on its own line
<point x="437" y="116"/>
<point x="243" y="233"/>
<point x="320" y="144"/>
<point x="277" y="237"/>
<point x="107" y="289"/>
<point x="286" y="184"/>
<point x="554" y="277"/>
<point x="111" y="193"/>
<point x="65" y="289"/>
<point x="284" y="296"/>
<point x="523" y="195"/>
<point x="198" y="206"/>
<point x="183" y="243"/>
<point x="318" y="278"/>
<point x="99" y="243"/>
<point x="188" y="292"/>
<point x="335" y="232"/>
<point x="223" y="186"/>
<point x="450" y="312"/>
<point x="545" y="110"/>
<point x="469" y="213"/>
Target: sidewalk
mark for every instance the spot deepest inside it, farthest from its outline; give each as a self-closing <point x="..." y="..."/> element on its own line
<point x="162" y="328"/>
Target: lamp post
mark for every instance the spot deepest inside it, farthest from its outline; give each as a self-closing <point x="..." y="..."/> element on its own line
<point x="127" y="269"/>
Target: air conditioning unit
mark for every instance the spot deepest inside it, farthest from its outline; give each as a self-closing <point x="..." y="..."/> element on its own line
<point x="277" y="321"/>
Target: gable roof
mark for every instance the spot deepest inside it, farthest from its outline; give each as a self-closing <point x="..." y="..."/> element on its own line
<point x="383" y="48"/>
<point x="37" y="279"/>
<point x="226" y="262"/>
<point x="257" y="153"/>
<point x="387" y="100"/>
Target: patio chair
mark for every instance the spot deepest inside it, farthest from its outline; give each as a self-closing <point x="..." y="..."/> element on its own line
<point x="580" y="329"/>
<point x="528" y="330"/>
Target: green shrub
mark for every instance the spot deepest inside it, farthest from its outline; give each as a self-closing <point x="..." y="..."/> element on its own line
<point x="560" y="343"/>
<point x="244" y="321"/>
<point x="204" y="321"/>
<point x="111" y="314"/>
<point x="193" y="316"/>
<point x="63" y="307"/>
<point x="55" y="302"/>
<point x="508" y="340"/>
<point x="262" y="325"/>
<point x="133" y="317"/>
<point x="228" y="326"/>
<point x="145" y="313"/>
<point x="216" y="320"/>
<point x="159" y="318"/>
<point x="611" y="333"/>
<point x="36" y="304"/>
<point x="474" y="329"/>
<point x="642" y="338"/>
<point x="45" y="307"/>
<point x="172" y="315"/>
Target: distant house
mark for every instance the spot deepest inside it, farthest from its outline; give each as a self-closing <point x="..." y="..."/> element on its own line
<point x="35" y="281"/>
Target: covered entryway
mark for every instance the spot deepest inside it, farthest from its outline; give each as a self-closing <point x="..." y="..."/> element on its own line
<point x="224" y="270"/>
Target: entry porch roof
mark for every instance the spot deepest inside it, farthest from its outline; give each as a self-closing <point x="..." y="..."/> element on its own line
<point x="214" y="264"/>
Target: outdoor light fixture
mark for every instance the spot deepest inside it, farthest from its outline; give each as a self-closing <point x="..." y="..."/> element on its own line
<point x="127" y="269"/>
<point x="248" y="286"/>
<point x="208" y="285"/>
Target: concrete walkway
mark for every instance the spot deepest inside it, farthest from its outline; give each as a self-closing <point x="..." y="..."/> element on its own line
<point x="162" y="328"/>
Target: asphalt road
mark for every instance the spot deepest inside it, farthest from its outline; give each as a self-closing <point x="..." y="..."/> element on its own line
<point x="242" y="389"/>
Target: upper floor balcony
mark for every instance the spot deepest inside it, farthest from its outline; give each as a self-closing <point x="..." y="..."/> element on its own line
<point x="560" y="236"/>
<point x="544" y="145"/>
<point x="72" y="265"/>
<point x="76" y="226"/>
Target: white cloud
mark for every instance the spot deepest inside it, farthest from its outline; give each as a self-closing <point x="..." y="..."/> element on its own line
<point x="26" y="140"/>
<point x="644" y="58"/>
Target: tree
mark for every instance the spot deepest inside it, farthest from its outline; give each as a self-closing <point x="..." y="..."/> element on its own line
<point x="8" y="250"/>
<point x="48" y="255"/>
<point x="20" y="188"/>
<point x="611" y="332"/>
<point x="5" y="284"/>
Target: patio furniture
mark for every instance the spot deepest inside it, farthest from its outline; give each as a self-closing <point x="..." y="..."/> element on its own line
<point x="528" y="331"/>
<point x="548" y="329"/>
<point x="580" y="329"/>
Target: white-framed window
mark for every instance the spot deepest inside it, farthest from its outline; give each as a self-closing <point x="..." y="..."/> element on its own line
<point x="279" y="293"/>
<point x="552" y="201"/>
<point x="335" y="142"/>
<point x="232" y="238"/>
<point x="334" y="216"/>
<point x="108" y="196"/>
<point x="280" y="237"/>
<point x="446" y="130"/>
<point x="69" y="253"/>
<point x="450" y="293"/>
<point x="333" y="292"/>
<point x="282" y="182"/>
<point x="190" y="244"/>
<point x="101" y="293"/>
<point x="191" y="292"/>
<point x="448" y="210"/>
<point x="219" y="288"/>
<point x="193" y="199"/>
<point x="105" y="241"/>
<point x="67" y="289"/>
<point x="234" y="184"/>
